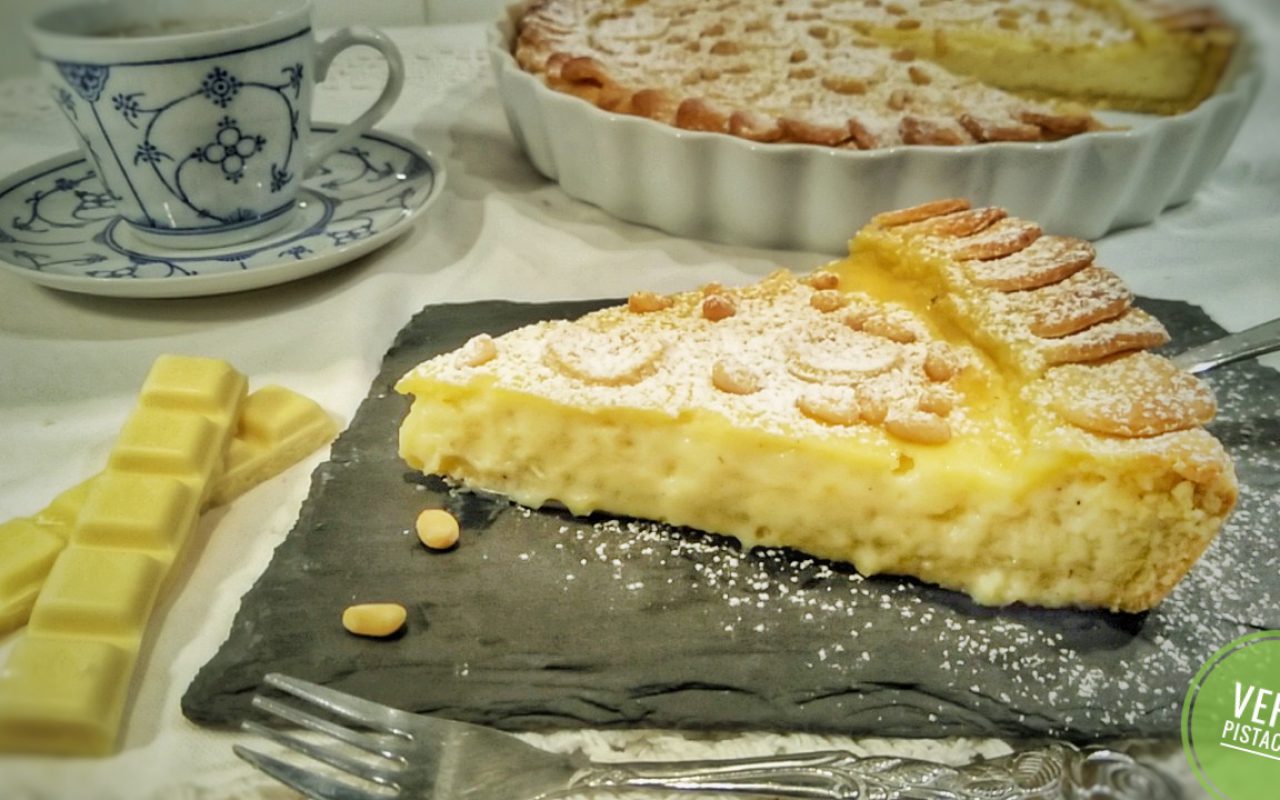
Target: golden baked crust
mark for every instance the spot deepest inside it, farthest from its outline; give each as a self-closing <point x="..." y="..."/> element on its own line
<point x="1017" y="444"/>
<point x="868" y="74"/>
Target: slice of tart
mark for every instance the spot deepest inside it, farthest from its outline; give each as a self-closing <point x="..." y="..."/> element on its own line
<point x="964" y="399"/>
<point x="870" y="73"/>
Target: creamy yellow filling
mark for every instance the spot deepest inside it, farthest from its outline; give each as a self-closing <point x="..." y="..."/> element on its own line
<point x="992" y="398"/>
<point x="1165" y="77"/>
<point x="1037" y="528"/>
<point x="1121" y="58"/>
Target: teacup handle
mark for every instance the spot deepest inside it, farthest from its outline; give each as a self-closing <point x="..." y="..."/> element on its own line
<point x="326" y="51"/>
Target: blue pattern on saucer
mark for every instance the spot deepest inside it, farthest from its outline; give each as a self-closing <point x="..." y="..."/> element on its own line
<point x="60" y="227"/>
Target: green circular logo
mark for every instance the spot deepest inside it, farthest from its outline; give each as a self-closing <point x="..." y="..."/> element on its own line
<point x="1231" y="720"/>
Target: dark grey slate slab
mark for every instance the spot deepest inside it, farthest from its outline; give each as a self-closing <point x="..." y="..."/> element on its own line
<point x="539" y="620"/>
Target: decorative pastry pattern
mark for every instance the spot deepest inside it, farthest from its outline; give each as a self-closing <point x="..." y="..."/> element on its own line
<point x="1063" y="321"/>
<point x="873" y="74"/>
<point x="840" y="358"/>
<point x="796" y="355"/>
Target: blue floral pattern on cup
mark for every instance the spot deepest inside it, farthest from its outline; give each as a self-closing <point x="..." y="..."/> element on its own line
<point x="230" y="149"/>
<point x="86" y="79"/>
<point x="220" y="87"/>
<point x="232" y="146"/>
<point x="199" y="122"/>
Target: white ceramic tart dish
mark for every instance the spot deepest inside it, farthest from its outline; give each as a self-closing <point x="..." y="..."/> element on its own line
<point x="798" y="196"/>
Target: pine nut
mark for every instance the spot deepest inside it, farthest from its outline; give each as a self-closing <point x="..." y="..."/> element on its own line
<point x="374" y="619"/>
<point x="437" y="529"/>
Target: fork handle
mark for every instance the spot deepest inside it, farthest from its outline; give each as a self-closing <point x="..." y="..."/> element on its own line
<point x="1056" y="771"/>
<point x="1255" y="341"/>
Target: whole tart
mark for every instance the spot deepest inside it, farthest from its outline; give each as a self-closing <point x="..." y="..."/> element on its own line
<point x="869" y="74"/>
<point x="964" y="399"/>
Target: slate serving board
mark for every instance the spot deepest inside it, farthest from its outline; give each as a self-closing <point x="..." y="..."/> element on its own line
<point x="538" y="620"/>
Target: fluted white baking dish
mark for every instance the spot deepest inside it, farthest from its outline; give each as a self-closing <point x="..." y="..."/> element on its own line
<point x="805" y="197"/>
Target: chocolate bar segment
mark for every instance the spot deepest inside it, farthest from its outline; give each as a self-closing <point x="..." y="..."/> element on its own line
<point x="65" y="687"/>
<point x="277" y="428"/>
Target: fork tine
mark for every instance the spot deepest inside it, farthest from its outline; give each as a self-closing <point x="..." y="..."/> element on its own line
<point x="353" y="766"/>
<point x="311" y="784"/>
<point x="366" y="712"/>
<point x="364" y="741"/>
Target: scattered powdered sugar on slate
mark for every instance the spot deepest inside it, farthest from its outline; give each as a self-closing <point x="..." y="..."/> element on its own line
<point x="539" y="620"/>
<point x="1240" y="567"/>
<point x="1062" y="672"/>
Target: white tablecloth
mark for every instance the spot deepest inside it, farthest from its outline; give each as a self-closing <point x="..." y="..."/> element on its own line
<point x="71" y="365"/>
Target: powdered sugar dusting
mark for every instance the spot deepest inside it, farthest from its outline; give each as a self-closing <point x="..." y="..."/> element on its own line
<point x="804" y="70"/>
<point x="1137" y="395"/>
<point x="665" y="360"/>
<point x="1041" y="304"/>
<point x="1047" y="260"/>
<point x="1086" y="298"/>
<point x="1043" y="658"/>
<point x="1133" y="330"/>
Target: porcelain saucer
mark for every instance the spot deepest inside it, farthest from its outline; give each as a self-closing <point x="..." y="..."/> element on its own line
<point x="58" y="226"/>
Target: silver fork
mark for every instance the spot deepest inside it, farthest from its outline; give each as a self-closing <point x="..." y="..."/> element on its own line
<point x="1256" y="341"/>
<point x="430" y="758"/>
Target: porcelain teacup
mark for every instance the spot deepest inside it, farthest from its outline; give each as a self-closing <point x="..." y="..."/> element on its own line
<point x="197" y="117"/>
